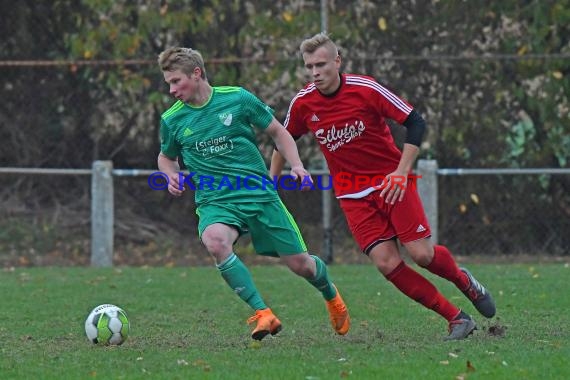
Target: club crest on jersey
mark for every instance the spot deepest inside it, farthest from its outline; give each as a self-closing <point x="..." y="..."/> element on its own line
<point x="335" y="137"/>
<point x="226" y="119"/>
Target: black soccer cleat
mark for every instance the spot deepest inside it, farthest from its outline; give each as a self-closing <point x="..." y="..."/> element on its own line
<point x="479" y="296"/>
<point x="461" y="327"/>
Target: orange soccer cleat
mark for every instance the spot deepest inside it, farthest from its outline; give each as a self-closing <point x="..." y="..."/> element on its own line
<point x="267" y="323"/>
<point x="338" y="314"/>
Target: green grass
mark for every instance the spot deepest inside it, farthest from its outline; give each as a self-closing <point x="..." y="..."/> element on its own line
<point x="186" y="324"/>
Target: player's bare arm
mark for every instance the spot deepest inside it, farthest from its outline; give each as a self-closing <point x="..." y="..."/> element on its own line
<point x="170" y="167"/>
<point x="287" y="150"/>
<point x="277" y="164"/>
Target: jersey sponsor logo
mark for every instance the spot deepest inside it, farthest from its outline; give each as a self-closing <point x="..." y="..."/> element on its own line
<point x="334" y="137"/>
<point x="213" y="147"/>
<point x="226" y="119"/>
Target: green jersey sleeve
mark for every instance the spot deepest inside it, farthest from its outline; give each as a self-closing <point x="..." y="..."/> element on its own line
<point x="257" y="113"/>
<point x="168" y="144"/>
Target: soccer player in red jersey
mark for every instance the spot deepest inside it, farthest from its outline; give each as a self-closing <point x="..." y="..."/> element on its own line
<point x="347" y="115"/>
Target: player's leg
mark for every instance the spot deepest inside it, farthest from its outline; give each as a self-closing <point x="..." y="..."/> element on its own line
<point x="368" y="219"/>
<point x="274" y="230"/>
<point x="411" y="225"/>
<point x="218" y="238"/>
<point x="386" y="258"/>
<point x="444" y="265"/>
<point x="314" y="270"/>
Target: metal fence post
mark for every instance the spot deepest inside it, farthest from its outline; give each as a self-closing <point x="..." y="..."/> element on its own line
<point x="427" y="189"/>
<point x="327" y="219"/>
<point x="102" y="214"/>
<point x="326" y="194"/>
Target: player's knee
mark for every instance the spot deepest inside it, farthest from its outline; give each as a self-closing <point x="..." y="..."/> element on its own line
<point x="421" y="251"/>
<point x="301" y="265"/>
<point x="216" y="245"/>
<point x="385" y="258"/>
<point x="422" y="257"/>
<point x="386" y="266"/>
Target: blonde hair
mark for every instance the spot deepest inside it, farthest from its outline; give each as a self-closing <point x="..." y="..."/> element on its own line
<point x="183" y="59"/>
<point x="321" y="39"/>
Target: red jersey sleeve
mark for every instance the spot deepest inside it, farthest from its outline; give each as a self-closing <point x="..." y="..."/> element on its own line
<point x="294" y="119"/>
<point x="390" y="105"/>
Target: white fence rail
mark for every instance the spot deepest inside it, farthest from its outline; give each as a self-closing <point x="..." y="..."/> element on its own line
<point x="102" y="198"/>
<point x="102" y="205"/>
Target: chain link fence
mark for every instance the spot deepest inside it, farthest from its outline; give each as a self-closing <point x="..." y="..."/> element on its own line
<point x="486" y="216"/>
<point x="68" y="114"/>
<point x="498" y="215"/>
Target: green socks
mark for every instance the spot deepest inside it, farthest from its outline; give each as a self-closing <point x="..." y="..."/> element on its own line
<point x="322" y="281"/>
<point x="238" y="277"/>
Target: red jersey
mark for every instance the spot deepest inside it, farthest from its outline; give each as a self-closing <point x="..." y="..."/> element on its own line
<point x="351" y="129"/>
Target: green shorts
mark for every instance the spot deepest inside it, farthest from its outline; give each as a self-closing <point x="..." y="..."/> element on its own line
<point x="272" y="228"/>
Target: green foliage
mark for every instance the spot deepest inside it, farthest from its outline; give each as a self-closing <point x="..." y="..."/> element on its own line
<point x="542" y="92"/>
<point x="477" y="109"/>
<point x="522" y="134"/>
<point x="464" y="101"/>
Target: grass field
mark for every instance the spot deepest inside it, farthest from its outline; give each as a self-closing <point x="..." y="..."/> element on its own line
<point x="186" y="324"/>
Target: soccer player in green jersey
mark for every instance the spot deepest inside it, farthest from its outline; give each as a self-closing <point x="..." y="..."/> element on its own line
<point x="210" y="129"/>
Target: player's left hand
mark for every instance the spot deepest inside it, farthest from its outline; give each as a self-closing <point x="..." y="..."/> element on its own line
<point x="394" y="187"/>
<point x="302" y="175"/>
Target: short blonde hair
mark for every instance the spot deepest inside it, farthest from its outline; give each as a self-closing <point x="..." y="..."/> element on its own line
<point x="183" y="59"/>
<point x="321" y="39"/>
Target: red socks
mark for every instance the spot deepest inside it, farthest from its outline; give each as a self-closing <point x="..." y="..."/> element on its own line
<point x="444" y="265"/>
<point x="418" y="288"/>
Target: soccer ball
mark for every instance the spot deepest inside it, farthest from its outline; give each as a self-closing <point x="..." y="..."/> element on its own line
<point x="107" y="325"/>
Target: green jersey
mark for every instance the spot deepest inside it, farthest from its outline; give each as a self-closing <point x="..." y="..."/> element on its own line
<point x="218" y="147"/>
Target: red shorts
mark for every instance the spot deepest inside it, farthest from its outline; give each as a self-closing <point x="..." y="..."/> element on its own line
<point x="371" y="220"/>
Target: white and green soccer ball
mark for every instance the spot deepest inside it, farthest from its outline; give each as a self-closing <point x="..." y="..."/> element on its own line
<point x="107" y="325"/>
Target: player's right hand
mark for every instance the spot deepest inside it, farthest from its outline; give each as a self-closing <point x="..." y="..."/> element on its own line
<point x="302" y="175"/>
<point x="174" y="186"/>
